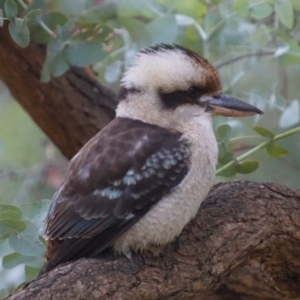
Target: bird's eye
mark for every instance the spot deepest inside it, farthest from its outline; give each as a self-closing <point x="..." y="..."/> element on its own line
<point x="193" y="92"/>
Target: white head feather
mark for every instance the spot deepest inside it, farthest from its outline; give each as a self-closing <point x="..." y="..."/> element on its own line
<point x="168" y="68"/>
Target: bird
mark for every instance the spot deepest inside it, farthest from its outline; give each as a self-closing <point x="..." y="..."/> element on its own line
<point x="143" y="177"/>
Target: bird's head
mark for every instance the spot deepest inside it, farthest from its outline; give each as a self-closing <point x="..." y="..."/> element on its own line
<point x="168" y="84"/>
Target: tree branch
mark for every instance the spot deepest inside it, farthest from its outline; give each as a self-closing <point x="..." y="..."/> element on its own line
<point x="239" y="222"/>
<point x="241" y="57"/>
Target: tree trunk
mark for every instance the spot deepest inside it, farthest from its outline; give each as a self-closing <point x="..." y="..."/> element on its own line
<point x="70" y="109"/>
<point x="243" y="244"/>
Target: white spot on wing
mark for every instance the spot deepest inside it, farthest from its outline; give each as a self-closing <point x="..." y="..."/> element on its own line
<point x="109" y="192"/>
<point x="129" y="180"/>
<point x="117" y="182"/>
<point x="128" y="217"/>
<point x="84" y="173"/>
<point x="138" y="146"/>
<point x="138" y="176"/>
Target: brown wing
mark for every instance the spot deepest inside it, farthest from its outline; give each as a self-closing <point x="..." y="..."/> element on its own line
<point x="110" y="184"/>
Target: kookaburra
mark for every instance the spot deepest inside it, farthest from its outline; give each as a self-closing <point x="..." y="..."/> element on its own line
<point x="142" y="178"/>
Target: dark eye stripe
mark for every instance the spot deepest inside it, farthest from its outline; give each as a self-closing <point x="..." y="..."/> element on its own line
<point x="174" y="99"/>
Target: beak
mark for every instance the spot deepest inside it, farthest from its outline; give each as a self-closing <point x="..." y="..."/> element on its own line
<point x="230" y="107"/>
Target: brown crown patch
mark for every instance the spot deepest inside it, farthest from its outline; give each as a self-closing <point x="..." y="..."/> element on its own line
<point x="212" y="82"/>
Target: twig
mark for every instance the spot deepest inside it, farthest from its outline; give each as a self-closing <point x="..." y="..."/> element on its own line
<point x="16" y="174"/>
<point x="235" y="59"/>
<point x="41" y="22"/>
<point x="257" y="148"/>
<point x="22" y="3"/>
<point x="47" y="29"/>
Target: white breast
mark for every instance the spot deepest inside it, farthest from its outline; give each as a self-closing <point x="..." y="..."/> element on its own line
<point x="167" y="218"/>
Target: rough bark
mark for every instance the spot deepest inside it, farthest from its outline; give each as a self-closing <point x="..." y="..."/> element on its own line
<point x="70" y="109"/>
<point x="240" y="222"/>
<point x="245" y="233"/>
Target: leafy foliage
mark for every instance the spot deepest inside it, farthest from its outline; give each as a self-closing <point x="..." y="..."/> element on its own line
<point x="21" y="236"/>
<point x="255" y="44"/>
<point x="21" y="227"/>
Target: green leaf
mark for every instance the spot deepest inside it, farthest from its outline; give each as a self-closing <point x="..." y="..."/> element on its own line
<point x="163" y="29"/>
<point x="19" y="32"/>
<point x="81" y="53"/>
<point x="2" y="2"/>
<point x="291" y="115"/>
<point x="27" y="242"/>
<point x="285" y="13"/>
<point x="241" y="8"/>
<point x="55" y="18"/>
<point x="276" y="151"/>
<point x="292" y="56"/>
<point x="296" y="4"/>
<point x="59" y="65"/>
<point x="10" y="214"/>
<point x="247" y="167"/>
<point x="11" y="9"/>
<point x="222" y="151"/>
<point x="71" y="7"/>
<point x="132" y="8"/>
<point x="193" y="8"/>
<point x="14" y="259"/>
<point x="33" y="17"/>
<point x="264" y="131"/>
<point x="1" y="17"/>
<point x="226" y="158"/>
<point x="5" y="235"/>
<point x="223" y="132"/>
<point x="229" y="172"/>
<point x="31" y="273"/>
<point x="11" y="226"/>
<point x="56" y="45"/>
<point x="79" y="44"/>
<point x="36" y="211"/>
<point x="103" y="13"/>
<point x="55" y="63"/>
<point x="89" y="44"/>
<point x="261" y="11"/>
<point x="224" y="10"/>
<point x="138" y="31"/>
<point x="7" y="207"/>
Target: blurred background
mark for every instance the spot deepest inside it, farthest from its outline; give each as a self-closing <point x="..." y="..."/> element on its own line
<point x="253" y="43"/>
